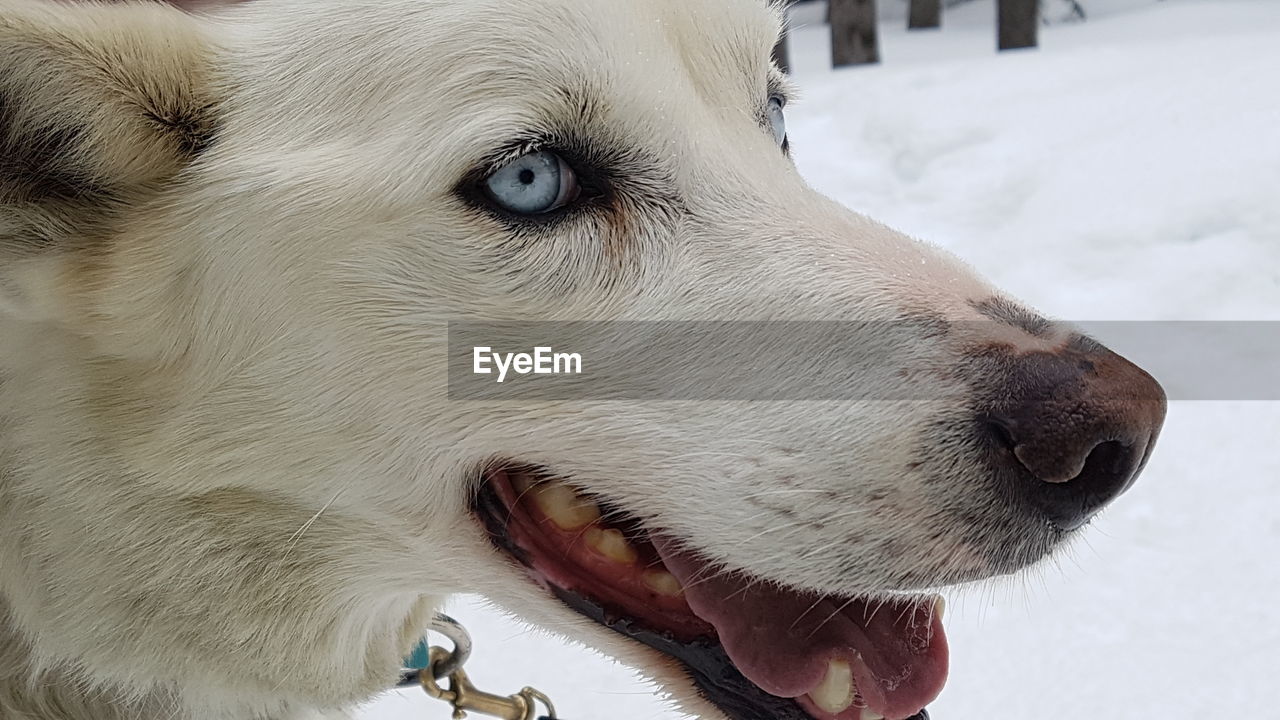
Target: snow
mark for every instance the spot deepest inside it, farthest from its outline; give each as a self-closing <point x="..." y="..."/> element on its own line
<point x="1127" y="169"/>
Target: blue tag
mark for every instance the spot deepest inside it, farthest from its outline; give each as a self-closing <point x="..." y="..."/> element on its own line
<point x="420" y="658"/>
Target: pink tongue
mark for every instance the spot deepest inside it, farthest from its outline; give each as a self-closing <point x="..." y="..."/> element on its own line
<point x="782" y="640"/>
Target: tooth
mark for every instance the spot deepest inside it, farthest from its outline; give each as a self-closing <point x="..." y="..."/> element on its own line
<point x="835" y="693"/>
<point x="612" y="544"/>
<point x="565" y="507"/>
<point x="939" y="606"/>
<point x="663" y="583"/>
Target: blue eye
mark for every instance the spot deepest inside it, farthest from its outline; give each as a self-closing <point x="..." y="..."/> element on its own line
<point x="532" y="184"/>
<point x="777" y="120"/>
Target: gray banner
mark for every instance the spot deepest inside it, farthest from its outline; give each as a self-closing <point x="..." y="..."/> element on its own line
<point x="893" y="361"/>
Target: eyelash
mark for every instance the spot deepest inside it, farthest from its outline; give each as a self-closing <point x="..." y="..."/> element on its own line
<point x="592" y="186"/>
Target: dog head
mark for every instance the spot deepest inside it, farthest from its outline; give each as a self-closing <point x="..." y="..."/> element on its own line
<point x="235" y="243"/>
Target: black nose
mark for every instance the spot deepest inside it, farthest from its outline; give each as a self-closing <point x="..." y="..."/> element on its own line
<point x="1078" y="425"/>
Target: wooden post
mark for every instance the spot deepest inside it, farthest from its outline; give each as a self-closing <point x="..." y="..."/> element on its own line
<point x="780" y="55"/>
<point x="1017" y="20"/>
<point x="924" y="14"/>
<point x="853" y="32"/>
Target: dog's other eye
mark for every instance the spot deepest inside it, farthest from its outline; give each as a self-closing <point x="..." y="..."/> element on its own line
<point x="532" y="184"/>
<point x="777" y="120"/>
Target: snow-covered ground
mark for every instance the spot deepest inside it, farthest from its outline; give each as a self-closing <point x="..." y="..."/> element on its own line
<point x="1128" y="169"/>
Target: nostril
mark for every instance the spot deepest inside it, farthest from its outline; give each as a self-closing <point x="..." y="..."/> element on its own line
<point x="1109" y="466"/>
<point x="1000" y="429"/>
<point x="1108" y="458"/>
<point x="1108" y="471"/>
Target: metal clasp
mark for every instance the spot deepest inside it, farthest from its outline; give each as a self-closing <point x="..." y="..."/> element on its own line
<point x="461" y="639"/>
<point x="461" y="694"/>
<point x="465" y="697"/>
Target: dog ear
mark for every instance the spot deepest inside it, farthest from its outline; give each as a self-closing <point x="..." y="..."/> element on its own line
<point x="101" y="105"/>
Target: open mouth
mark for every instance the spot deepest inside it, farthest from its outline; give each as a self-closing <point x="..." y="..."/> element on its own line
<point x="756" y="650"/>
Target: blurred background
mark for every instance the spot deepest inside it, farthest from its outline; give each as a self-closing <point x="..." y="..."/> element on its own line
<point x="1126" y="167"/>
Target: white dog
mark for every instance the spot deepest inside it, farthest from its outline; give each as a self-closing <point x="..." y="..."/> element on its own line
<point x="230" y="245"/>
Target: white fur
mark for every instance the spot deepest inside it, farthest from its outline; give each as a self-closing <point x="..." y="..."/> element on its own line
<point x="225" y="439"/>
